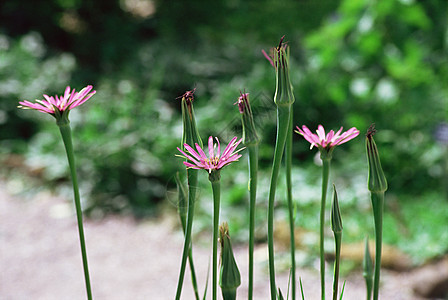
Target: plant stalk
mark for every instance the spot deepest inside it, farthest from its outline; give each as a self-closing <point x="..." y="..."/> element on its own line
<point x="337" y="240"/>
<point x="378" y="206"/>
<point x="192" y="177"/>
<point x="67" y="139"/>
<point x="282" y="128"/>
<point x="325" y="176"/>
<point x="191" y="261"/>
<point x="288" y="161"/>
<point x="253" y="171"/>
<point x="216" y="187"/>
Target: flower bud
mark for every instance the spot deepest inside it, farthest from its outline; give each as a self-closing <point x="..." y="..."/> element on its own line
<point x="190" y="135"/>
<point x="182" y="197"/>
<point x="377" y="182"/>
<point x="283" y="91"/>
<point x="367" y="267"/>
<point x="336" y="221"/>
<point x="250" y="136"/>
<point x="230" y="278"/>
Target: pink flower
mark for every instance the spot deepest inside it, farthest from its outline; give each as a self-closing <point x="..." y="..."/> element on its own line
<point x="328" y="141"/>
<point x="199" y="159"/>
<point x="69" y="100"/>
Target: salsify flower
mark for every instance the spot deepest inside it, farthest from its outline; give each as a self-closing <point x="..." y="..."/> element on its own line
<point x="330" y="140"/>
<point x="59" y="106"/>
<point x="214" y="162"/>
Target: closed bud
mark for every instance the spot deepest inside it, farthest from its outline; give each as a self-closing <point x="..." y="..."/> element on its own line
<point x="230" y="278"/>
<point x="336" y="221"/>
<point x="279" y="59"/>
<point x="367" y="265"/>
<point x="190" y="135"/>
<point x="377" y="182"/>
<point x="250" y="136"/>
<point x="182" y="197"/>
<point x="367" y="269"/>
<point x="283" y="91"/>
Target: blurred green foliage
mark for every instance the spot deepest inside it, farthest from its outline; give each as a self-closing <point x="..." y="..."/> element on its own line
<point x="353" y="62"/>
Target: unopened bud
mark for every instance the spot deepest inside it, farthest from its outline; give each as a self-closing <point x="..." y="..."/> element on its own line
<point x="249" y="133"/>
<point x="190" y="134"/>
<point x="336" y="221"/>
<point x="283" y="92"/>
<point x="230" y="278"/>
<point x="377" y="182"/>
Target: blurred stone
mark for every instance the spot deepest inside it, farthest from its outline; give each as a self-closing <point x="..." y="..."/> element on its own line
<point x="392" y="258"/>
<point x="431" y="281"/>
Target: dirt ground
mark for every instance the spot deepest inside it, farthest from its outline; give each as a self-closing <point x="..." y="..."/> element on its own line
<point x="40" y="257"/>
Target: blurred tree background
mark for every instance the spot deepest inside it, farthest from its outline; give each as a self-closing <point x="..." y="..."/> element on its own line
<point x="353" y="62"/>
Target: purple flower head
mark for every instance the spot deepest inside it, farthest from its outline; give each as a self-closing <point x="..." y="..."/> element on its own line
<point x="188" y="96"/>
<point x="214" y="162"/>
<point x="243" y="102"/>
<point x="58" y="105"/>
<point x="329" y="141"/>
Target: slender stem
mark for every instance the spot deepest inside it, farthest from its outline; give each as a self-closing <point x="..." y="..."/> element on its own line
<point x="282" y="128"/>
<point x="253" y="170"/>
<point x="378" y="205"/>
<point x="369" y="289"/>
<point x="325" y="175"/>
<point x="67" y="139"/>
<point x="216" y="186"/>
<point x="192" y="176"/>
<point x="288" y="161"/>
<point x="194" y="281"/>
<point x="337" y="240"/>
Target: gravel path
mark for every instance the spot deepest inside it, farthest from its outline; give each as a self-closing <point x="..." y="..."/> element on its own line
<point x="40" y="257"/>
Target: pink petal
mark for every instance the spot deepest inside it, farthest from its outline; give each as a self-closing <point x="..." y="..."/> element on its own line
<point x="189" y="157"/>
<point x="210" y="148"/>
<point x="321" y="133"/>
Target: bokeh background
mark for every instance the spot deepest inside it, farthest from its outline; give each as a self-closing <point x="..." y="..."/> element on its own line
<point x="353" y="63"/>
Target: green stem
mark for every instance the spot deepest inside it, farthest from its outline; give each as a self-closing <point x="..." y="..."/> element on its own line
<point x="192" y="176"/>
<point x="378" y="205"/>
<point x="253" y="170"/>
<point x="369" y="289"/>
<point x="67" y="139"/>
<point x="325" y="176"/>
<point x="282" y="128"/>
<point x="288" y="161"/>
<point x="194" y="281"/>
<point x="216" y="186"/>
<point x="337" y="240"/>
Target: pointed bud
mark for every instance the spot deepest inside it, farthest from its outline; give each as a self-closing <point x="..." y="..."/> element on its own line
<point x="280" y="295"/>
<point x="336" y="221"/>
<point x="182" y="197"/>
<point x="190" y="135"/>
<point x="230" y="278"/>
<point x="367" y="267"/>
<point x="283" y="92"/>
<point x="377" y="182"/>
<point x="250" y="136"/>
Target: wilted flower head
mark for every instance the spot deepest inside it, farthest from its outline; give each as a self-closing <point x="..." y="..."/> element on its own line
<point x="279" y="59"/>
<point x="377" y="180"/>
<point x="329" y="141"/>
<point x="214" y="162"/>
<point x="273" y="52"/>
<point x="190" y="133"/>
<point x="59" y="106"/>
<point x="249" y="133"/>
<point x="188" y="96"/>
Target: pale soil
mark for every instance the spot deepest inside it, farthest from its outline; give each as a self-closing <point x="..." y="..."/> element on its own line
<point x="40" y="257"/>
